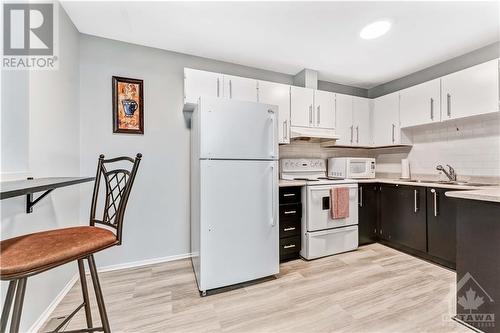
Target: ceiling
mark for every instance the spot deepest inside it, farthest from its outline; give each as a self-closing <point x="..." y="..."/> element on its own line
<point x="287" y="37"/>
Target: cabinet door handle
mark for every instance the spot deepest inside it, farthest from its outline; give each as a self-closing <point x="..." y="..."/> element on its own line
<point x="352" y="133"/>
<point x="289" y="229"/>
<point x="218" y="87"/>
<point x="433" y="191"/>
<point x="289" y="194"/>
<point x="230" y="89"/>
<point x="310" y="115"/>
<point x="289" y="246"/>
<point x="290" y="212"/>
<point x="357" y="134"/>
<point x="284" y="129"/>
<point x="393" y="133"/>
<point x="432" y="108"/>
<point x="448" y="105"/>
<point x="415" y="200"/>
<point x="318" y="114"/>
<point x="361" y="196"/>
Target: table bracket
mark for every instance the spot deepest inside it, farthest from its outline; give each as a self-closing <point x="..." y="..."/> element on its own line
<point x="30" y="202"/>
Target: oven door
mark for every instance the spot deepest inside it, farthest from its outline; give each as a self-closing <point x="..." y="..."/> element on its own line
<point x="317" y="208"/>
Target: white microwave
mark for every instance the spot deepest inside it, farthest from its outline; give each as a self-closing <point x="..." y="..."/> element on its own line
<point x="351" y="167"/>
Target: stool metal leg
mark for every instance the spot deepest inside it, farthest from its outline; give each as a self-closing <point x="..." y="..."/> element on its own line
<point x="85" y="293"/>
<point x="18" y="305"/>
<point x="98" y="294"/>
<point x="7" y="305"/>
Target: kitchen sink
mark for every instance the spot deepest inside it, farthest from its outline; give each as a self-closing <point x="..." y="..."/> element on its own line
<point x="449" y="182"/>
<point x="422" y="181"/>
<point x="473" y="184"/>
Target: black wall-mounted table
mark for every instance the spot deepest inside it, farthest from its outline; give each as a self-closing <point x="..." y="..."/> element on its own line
<point x="15" y="188"/>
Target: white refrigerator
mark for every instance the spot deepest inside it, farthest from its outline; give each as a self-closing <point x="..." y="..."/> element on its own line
<point x="234" y="192"/>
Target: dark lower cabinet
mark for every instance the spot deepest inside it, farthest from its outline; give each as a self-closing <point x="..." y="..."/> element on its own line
<point x="367" y="213"/>
<point x="441" y="226"/>
<point x="290" y="216"/>
<point x="478" y="264"/>
<point x="403" y="216"/>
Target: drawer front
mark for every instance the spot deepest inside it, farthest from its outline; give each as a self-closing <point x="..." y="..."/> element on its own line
<point x="328" y="242"/>
<point x="289" y="195"/>
<point x="291" y="212"/>
<point x="289" y="245"/>
<point x="289" y="228"/>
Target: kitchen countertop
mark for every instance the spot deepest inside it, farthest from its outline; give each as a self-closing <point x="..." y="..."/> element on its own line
<point x="424" y="184"/>
<point x="288" y="183"/>
<point x="485" y="194"/>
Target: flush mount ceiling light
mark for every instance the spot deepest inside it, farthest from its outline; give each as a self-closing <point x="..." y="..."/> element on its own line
<point x="375" y="29"/>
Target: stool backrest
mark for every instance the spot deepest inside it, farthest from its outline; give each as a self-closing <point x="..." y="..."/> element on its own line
<point x="118" y="183"/>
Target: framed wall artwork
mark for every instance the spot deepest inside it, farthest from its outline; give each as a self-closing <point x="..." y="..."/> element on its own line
<point x="128" y="105"/>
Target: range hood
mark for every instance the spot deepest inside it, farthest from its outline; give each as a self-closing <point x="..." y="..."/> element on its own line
<point x="317" y="133"/>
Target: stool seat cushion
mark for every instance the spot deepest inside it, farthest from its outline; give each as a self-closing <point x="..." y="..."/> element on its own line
<point x="33" y="253"/>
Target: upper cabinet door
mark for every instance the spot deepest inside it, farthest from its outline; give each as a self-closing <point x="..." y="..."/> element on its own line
<point x="421" y="104"/>
<point x="470" y="92"/>
<point x="240" y="88"/>
<point x="361" y="121"/>
<point x="343" y="121"/>
<point x="200" y="83"/>
<point x="302" y="103"/>
<point x="324" y="109"/>
<point x="386" y="130"/>
<point x="278" y="94"/>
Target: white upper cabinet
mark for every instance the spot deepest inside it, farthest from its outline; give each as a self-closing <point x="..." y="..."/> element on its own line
<point x="361" y="121"/>
<point x="324" y="109"/>
<point x="277" y="94"/>
<point x="470" y="92"/>
<point x="386" y="130"/>
<point x="344" y="119"/>
<point x="200" y="83"/>
<point x="240" y="88"/>
<point x="421" y="104"/>
<point x="302" y="103"/>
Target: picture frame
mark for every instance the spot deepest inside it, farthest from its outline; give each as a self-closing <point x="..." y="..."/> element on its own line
<point x="128" y="105"/>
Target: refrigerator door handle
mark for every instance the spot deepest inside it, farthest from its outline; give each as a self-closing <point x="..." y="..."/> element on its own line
<point x="273" y="141"/>
<point x="273" y="201"/>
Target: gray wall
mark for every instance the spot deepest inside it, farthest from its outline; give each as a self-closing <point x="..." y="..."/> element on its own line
<point x="475" y="57"/>
<point x="14" y="123"/>
<point x="51" y="132"/>
<point x="342" y="89"/>
<point x="157" y="219"/>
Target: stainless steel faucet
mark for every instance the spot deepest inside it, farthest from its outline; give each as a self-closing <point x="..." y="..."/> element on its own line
<point x="452" y="176"/>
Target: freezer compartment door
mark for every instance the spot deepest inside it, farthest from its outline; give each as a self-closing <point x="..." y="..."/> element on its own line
<point x="325" y="243"/>
<point x="238" y="130"/>
<point x="317" y="212"/>
<point x="239" y="222"/>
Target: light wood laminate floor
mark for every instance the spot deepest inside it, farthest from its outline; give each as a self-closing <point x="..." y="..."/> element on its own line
<point x="374" y="289"/>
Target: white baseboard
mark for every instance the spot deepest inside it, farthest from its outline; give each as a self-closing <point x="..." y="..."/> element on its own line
<point x="143" y="262"/>
<point x="37" y="325"/>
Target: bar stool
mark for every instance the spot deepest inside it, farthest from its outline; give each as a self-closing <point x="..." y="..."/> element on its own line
<point x="28" y="255"/>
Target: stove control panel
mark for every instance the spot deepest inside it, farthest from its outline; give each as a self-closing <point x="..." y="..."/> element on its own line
<point x="303" y="165"/>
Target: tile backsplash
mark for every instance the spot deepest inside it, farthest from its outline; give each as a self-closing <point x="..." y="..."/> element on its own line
<point x="471" y="146"/>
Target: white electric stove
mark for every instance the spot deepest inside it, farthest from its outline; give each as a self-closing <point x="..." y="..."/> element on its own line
<point x="321" y="235"/>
